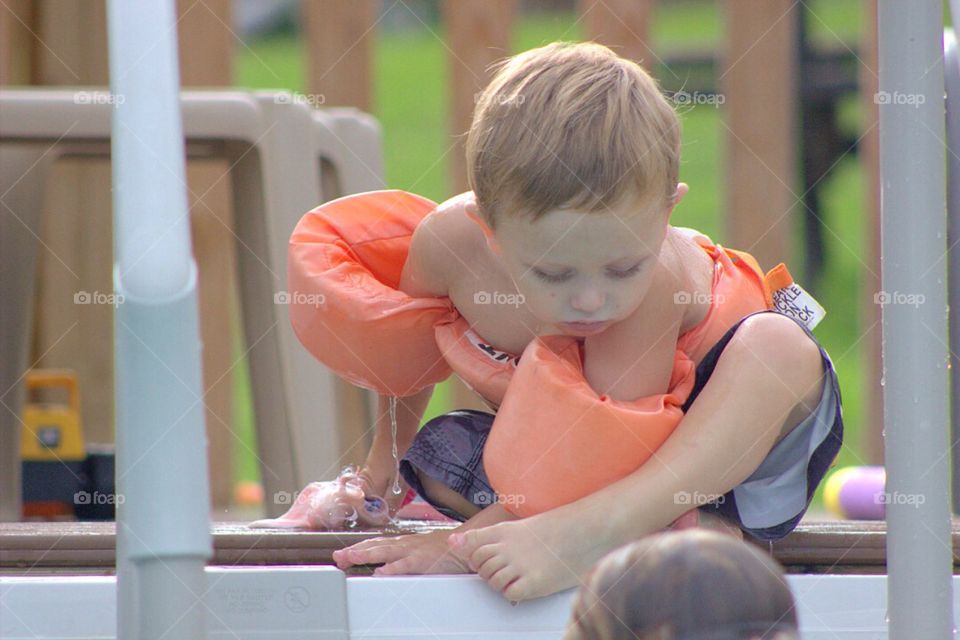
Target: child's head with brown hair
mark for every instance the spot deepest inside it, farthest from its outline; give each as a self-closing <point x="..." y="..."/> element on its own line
<point x="570" y="125"/>
<point x="694" y="584"/>
<point x="573" y="158"/>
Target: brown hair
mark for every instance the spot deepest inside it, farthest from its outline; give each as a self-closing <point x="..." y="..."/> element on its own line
<point x="687" y="585"/>
<point x="570" y="125"/>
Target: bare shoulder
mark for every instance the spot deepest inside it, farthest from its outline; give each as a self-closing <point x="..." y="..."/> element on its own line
<point x="687" y="259"/>
<point x="693" y="269"/>
<point x="443" y="240"/>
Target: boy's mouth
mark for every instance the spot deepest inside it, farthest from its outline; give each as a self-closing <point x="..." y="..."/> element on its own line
<point x="586" y="328"/>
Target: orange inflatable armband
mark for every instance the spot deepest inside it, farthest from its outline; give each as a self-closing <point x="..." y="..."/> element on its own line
<point x="555" y="440"/>
<point x="344" y="265"/>
<point x="484" y="369"/>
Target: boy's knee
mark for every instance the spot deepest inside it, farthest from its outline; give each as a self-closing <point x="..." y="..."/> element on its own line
<point x="784" y="351"/>
<point x="781" y="346"/>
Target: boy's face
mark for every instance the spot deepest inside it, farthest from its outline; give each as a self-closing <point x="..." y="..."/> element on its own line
<point x="577" y="267"/>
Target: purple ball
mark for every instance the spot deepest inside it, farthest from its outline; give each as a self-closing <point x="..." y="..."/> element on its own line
<point x="862" y="495"/>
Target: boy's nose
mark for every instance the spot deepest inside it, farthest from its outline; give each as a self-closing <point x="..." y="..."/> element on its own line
<point x="588" y="301"/>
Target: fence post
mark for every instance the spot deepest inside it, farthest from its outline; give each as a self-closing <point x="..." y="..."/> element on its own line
<point x="758" y="81"/>
<point x="340" y="37"/>
<point x="622" y="25"/>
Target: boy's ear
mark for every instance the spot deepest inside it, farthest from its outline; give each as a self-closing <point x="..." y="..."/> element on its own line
<point x="474" y="213"/>
<point x="682" y="189"/>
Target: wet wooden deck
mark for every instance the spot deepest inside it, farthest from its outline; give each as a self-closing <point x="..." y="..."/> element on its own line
<point x="88" y="547"/>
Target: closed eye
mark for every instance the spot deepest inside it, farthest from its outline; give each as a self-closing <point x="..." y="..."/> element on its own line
<point x="566" y="275"/>
<point x="627" y="272"/>
<point x="549" y="277"/>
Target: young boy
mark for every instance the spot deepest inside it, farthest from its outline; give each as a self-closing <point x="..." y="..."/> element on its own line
<point x="573" y="159"/>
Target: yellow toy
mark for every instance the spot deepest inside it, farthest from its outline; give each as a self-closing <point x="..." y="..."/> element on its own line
<point x="51" y="431"/>
<point x="51" y="445"/>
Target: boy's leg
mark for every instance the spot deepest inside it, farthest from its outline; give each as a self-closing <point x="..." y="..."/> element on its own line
<point x="437" y="493"/>
<point x="770" y="503"/>
<point x="444" y="463"/>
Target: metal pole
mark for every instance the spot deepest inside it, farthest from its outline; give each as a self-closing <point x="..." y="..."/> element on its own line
<point x="163" y="510"/>
<point x="915" y="355"/>
<point x="951" y="64"/>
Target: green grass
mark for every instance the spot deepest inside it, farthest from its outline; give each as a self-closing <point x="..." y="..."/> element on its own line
<point x="411" y="74"/>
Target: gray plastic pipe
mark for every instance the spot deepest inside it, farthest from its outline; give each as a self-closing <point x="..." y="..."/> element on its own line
<point x="951" y="68"/>
<point x="163" y="531"/>
<point x="915" y="354"/>
<point x="951" y="72"/>
<point x="955" y="16"/>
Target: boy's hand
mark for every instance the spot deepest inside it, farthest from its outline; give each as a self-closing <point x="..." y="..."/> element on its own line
<point x="332" y="505"/>
<point x="417" y="553"/>
<point x="372" y="486"/>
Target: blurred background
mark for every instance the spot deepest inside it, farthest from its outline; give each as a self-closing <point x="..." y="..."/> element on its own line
<point x="777" y="100"/>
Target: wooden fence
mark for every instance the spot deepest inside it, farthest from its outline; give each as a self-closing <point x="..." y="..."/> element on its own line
<point x="63" y="42"/>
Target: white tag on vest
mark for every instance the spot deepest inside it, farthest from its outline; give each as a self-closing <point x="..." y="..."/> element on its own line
<point x="793" y="301"/>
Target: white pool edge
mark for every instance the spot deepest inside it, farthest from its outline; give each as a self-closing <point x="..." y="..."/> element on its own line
<point x="267" y="603"/>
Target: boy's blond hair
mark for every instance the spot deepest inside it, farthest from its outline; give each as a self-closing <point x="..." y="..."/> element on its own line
<point x="570" y="125"/>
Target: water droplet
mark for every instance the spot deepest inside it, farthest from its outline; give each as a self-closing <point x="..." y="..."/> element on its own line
<point x="352" y="517"/>
<point x="396" y="458"/>
<point x="883" y="380"/>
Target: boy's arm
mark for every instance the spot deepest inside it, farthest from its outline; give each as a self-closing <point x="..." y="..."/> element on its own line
<point x="380" y="467"/>
<point x="420" y="278"/>
<point x="424" y="276"/>
<point x="634" y="358"/>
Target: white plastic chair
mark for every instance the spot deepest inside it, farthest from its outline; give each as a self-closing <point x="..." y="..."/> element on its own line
<point x="285" y="158"/>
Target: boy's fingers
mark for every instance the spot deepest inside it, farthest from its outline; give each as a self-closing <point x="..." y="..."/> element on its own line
<point x="354" y="554"/>
<point x="366" y="544"/>
<point x="376" y="555"/>
<point x="398" y="567"/>
<point x="343" y="562"/>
